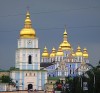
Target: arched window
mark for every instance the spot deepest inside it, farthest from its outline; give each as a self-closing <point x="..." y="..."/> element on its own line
<point x="30" y="59"/>
<point x="73" y="71"/>
<point x="49" y="75"/>
<point x="70" y="71"/>
<point x="70" y="66"/>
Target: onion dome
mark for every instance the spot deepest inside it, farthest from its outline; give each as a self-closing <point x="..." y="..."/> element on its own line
<point x="45" y="53"/>
<point x="53" y="53"/>
<point x="72" y="52"/>
<point x="85" y="53"/>
<point x="65" y="45"/>
<point x="79" y="52"/>
<point x="27" y="31"/>
<point x="59" y="52"/>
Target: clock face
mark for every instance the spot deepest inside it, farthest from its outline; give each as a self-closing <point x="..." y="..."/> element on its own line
<point x="29" y="42"/>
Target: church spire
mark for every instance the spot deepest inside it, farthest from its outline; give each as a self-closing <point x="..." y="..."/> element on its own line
<point x="27" y="23"/>
<point x="65" y="45"/>
<point x="65" y="35"/>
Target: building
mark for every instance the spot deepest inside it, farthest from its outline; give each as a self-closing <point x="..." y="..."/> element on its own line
<point x="28" y="74"/>
<point x="65" y="61"/>
<point x="32" y="73"/>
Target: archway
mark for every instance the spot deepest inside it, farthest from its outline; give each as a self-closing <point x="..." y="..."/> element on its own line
<point x="30" y="86"/>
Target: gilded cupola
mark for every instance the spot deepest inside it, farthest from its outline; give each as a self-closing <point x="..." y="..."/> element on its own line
<point x="79" y="52"/>
<point x="27" y="31"/>
<point x="65" y="45"/>
<point x="53" y="53"/>
<point x="59" y="52"/>
<point x="45" y="52"/>
<point x="85" y="53"/>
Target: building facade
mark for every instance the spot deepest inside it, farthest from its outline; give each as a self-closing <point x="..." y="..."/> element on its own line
<point x="28" y="74"/>
<point x="65" y="61"/>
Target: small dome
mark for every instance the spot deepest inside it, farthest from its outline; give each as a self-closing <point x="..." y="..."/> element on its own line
<point x="27" y="31"/>
<point x="79" y="52"/>
<point x="59" y="52"/>
<point x="85" y="53"/>
<point x="45" y="53"/>
<point x="53" y="53"/>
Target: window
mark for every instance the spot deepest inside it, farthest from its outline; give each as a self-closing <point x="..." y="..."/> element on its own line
<point x="70" y="71"/>
<point x="70" y="66"/>
<point x="73" y="71"/>
<point x="34" y="74"/>
<point x="30" y="59"/>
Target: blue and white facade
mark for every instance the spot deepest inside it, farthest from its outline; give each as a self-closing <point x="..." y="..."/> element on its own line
<point x="28" y="74"/>
<point x="65" y="62"/>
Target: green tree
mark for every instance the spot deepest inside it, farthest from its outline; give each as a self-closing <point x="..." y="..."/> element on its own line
<point x="6" y="79"/>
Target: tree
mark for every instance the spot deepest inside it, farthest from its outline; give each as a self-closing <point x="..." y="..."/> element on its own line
<point x="94" y="79"/>
<point x="7" y="79"/>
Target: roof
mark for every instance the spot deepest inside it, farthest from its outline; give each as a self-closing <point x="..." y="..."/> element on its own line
<point x="46" y="64"/>
<point x="53" y="78"/>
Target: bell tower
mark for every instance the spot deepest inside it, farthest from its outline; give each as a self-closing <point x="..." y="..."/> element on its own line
<point x="28" y="53"/>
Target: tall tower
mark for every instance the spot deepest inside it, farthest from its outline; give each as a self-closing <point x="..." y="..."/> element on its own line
<point x="28" y="75"/>
<point x="28" y="53"/>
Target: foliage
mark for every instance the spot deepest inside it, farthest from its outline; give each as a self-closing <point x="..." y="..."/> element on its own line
<point x="75" y="84"/>
<point x="5" y="79"/>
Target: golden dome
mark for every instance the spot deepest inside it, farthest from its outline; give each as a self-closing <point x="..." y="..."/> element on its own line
<point x="85" y="53"/>
<point x="59" y="52"/>
<point x="65" y="45"/>
<point x="27" y="31"/>
<point x="79" y="52"/>
<point x="45" y="53"/>
<point x="53" y="53"/>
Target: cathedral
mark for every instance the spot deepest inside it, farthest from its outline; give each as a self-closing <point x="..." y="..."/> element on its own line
<point x="65" y="61"/>
<point x="32" y="69"/>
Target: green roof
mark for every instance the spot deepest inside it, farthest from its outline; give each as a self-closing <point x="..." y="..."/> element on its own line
<point x="53" y="78"/>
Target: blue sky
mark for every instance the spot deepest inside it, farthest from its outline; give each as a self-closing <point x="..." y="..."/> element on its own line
<point x="81" y="17"/>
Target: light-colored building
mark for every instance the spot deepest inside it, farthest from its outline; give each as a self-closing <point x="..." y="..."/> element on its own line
<point x="65" y="61"/>
<point x="32" y="73"/>
<point x="28" y="75"/>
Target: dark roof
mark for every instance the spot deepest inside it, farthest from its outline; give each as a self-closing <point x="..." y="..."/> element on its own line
<point x="46" y="64"/>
